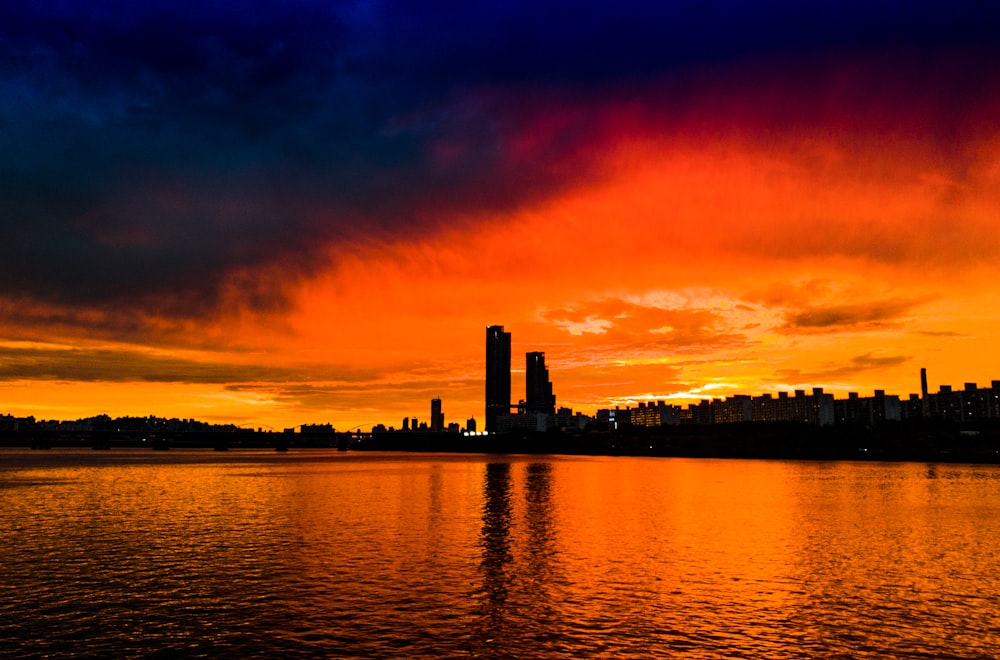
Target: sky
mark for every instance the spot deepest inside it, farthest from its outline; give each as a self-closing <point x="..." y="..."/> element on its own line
<point x="271" y="214"/>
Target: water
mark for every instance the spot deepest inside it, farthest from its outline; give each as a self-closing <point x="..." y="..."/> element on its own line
<point x="259" y="554"/>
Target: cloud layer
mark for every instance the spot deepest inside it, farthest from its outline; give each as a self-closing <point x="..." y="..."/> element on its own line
<point x="162" y="156"/>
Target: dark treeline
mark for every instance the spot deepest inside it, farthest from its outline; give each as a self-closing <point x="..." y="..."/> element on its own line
<point x="240" y="438"/>
<point x="914" y="440"/>
<point x="934" y="440"/>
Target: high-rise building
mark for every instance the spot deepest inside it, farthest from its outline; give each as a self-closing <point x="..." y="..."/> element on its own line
<point x="924" y="401"/>
<point x="537" y="388"/>
<point x="497" y="375"/>
<point x="437" y="417"/>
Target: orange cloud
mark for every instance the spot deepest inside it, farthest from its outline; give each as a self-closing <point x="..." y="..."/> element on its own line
<point x="861" y="316"/>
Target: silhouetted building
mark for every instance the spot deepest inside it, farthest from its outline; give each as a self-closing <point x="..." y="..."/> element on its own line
<point x="567" y="419"/>
<point x="849" y="410"/>
<point x="884" y="407"/>
<point x="645" y="415"/>
<point x="737" y="408"/>
<point x="969" y="404"/>
<point x="701" y="412"/>
<point x="912" y="408"/>
<point x="669" y="415"/>
<point x="764" y="409"/>
<point x="947" y="404"/>
<point x="9" y="423"/>
<point x="437" y="417"/>
<point x="537" y="388"/>
<point x="924" y="400"/>
<point x="525" y="420"/>
<point x="406" y="423"/>
<point x="975" y="402"/>
<point x="470" y="425"/>
<point x="613" y="419"/>
<point x="497" y="375"/>
<point x="316" y="429"/>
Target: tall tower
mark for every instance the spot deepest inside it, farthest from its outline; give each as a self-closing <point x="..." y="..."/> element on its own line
<point x="537" y="388"/>
<point x="437" y="417"/>
<point x="925" y="407"/>
<point x="497" y="375"/>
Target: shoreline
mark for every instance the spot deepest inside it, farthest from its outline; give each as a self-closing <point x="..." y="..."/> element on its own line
<point x="938" y="442"/>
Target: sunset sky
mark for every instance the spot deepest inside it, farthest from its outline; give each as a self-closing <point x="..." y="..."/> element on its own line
<point x="303" y="212"/>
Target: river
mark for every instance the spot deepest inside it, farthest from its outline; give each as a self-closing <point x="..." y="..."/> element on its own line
<point x="308" y="554"/>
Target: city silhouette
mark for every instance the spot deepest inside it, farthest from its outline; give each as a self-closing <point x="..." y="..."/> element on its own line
<point x="947" y="425"/>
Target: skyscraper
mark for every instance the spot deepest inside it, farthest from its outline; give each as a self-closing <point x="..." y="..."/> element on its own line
<point x="437" y="417"/>
<point x="537" y="388"/>
<point x="497" y="375"/>
<point x="924" y="401"/>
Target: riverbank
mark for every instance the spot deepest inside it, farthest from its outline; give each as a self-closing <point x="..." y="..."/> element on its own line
<point x="891" y="441"/>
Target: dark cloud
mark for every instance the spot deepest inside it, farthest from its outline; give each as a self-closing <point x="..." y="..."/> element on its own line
<point x="457" y="394"/>
<point x="180" y="161"/>
<point x="858" y="365"/>
<point x="798" y="294"/>
<point x="123" y="365"/>
<point x="521" y="40"/>
<point x="169" y="321"/>
<point x="859" y="316"/>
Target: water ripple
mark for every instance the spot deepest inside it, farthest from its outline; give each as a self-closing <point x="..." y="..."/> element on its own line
<point x="254" y="555"/>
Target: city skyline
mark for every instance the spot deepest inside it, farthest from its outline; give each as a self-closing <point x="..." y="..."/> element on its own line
<point x="307" y="213"/>
<point x="971" y="402"/>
